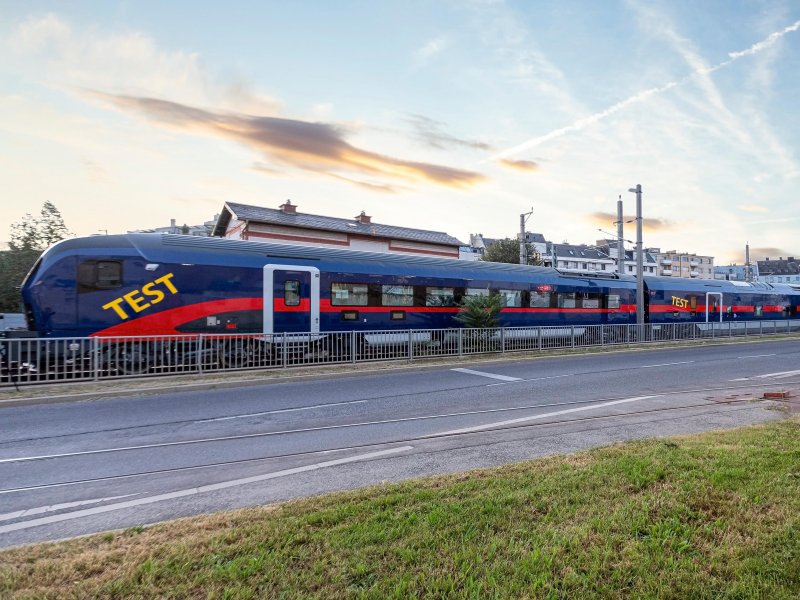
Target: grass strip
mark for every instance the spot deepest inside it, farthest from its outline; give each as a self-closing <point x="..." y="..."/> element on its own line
<point x="714" y="515"/>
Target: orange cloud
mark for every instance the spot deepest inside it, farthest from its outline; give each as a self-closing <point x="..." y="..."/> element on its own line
<point x="315" y="147"/>
<point x="773" y="253"/>
<point x="606" y="220"/>
<point x="519" y="165"/>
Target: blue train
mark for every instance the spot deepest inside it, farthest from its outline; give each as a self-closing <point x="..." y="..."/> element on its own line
<point x="151" y="284"/>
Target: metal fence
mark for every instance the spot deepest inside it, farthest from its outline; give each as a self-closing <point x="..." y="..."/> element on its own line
<point x="34" y="360"/>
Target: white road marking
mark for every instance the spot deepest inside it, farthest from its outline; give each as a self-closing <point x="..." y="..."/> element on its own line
<point x="533" y="379"/>
<point x="740" y="379"/>
<point x="282" y="410"/>
<point x="541" y="416"/>
<point x="756" y="355"/>
<point x="54" y="507"/>
<point x="483" y="374"/>
<point x="779" y="375"/>
<point x="197" y="490"/>
<point x="685" y="362"/>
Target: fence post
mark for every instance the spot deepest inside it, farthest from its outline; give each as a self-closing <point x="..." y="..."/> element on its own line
<point x="200" y="347"/>
<point x="284" y="351"/>
<point x="410" y="345"/>
<point x="539" y="335"/>
<point x="503" y="340"/>
<point x="96" y="358"/>
<point x="353" y="346"/>
<point x="572" y="336"/>
<point x="460" y="341"/>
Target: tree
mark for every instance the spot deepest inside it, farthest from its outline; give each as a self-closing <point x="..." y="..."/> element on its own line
<point x="29" y="237"/>
<point x="480" y="312"/>
<point x="507" y="251"/>
<point x="39" y="233"/>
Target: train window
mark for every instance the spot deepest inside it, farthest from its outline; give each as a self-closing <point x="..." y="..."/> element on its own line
<point x="397" y="295"/>
<point x="96" y="275"/>
<point x="349" y="294"/>
<point x="438" y="296"/>
<point x="758" y="311"/>
<point x="291" y="293"/>
<point x="613" y="301"/>
<point x="566" y="300"/>
<point x="590" y="300"/>
<point x="476" y="292"/>
<point x="540" y="300"/>
<point x="510" y="298"/>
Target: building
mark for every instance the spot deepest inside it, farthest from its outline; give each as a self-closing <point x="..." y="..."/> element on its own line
<point x="285" y="224"/>
<point x="203" y="230"/>
<point x="683" y="264"/>
<point x="779" y="271"/>
<point x="736" y="272"/>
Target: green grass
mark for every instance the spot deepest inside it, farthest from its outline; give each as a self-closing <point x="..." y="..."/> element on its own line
<point x="708" y="516"/>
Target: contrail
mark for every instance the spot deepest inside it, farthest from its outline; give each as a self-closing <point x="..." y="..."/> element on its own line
<point x="580" y="124"/>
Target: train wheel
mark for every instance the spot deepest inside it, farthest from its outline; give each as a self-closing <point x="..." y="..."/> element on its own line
<point x="235" y="354"/>
<point x="130" y="359"/>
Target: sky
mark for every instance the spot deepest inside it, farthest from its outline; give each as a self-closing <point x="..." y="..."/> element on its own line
<point x="454" y="116"/>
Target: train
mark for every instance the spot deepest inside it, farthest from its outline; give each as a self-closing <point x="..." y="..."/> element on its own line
<point x="145" y="284"/>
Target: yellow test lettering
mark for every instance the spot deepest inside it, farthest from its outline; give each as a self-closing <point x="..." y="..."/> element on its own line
<point x="139" y="300"/>
<point x="166" y="281"/>
<point x="134" y="300"/>
<point x="150" y="289"/>
<point x="115" y="305"/>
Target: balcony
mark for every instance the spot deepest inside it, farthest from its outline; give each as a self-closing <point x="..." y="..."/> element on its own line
<point x="666" y="272"/>
<point x="694" y="263"/>
<point x="666" y="262"/>
<point x="694" y="273"/>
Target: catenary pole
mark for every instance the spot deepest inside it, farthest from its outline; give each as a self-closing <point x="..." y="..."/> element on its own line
<point x="639" y="260"/>
<point x="620" y="240"/>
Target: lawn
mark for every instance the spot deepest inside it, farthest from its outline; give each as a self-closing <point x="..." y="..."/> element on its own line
<point x="715" y="515"/>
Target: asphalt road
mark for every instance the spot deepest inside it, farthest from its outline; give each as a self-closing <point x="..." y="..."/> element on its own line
<point x="79" y="467"/>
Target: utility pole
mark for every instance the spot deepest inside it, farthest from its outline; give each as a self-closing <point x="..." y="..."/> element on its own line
<point x="639" y="260"/>
<point x="620" y="240"/>
<point x="523" y="249"/>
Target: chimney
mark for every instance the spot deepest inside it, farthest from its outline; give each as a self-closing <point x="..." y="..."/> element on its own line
<point x="363" y="218"/>
<point x="288" y="208"/>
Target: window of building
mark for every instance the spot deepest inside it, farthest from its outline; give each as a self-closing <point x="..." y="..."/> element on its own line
<point x="613" y="301"/>
<point x="397" y="295"/>
<point x="349" y="294"/>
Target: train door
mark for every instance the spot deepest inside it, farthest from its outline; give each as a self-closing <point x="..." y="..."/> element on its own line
<point x="714" y="305"/>
<point x="291" y="299"/>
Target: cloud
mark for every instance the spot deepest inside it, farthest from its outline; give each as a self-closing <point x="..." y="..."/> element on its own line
<point x="773" y="253"/>
<point x="431" y="49"/>
<point x="520" y="165"/>
<point x="318" y="148"/>
<point x="606" y="219"/>
<point x="430" y="132"/>
<point x="754" y="208"/>
<point x="700" y="71"/>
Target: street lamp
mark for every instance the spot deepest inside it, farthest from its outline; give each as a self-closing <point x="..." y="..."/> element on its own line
<point x="523" y="250"/>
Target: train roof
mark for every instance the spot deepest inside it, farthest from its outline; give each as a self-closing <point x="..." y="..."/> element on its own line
<point x="163" y="247"/>
<point x="717" y="285"/>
